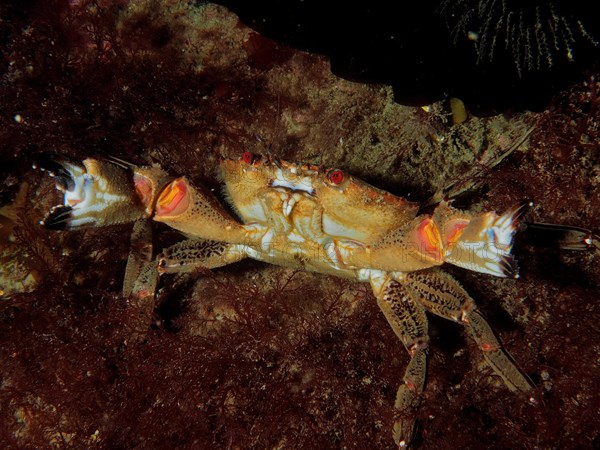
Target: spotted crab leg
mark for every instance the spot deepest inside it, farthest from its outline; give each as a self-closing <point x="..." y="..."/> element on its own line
<point x="194" y="254"/>
<point x="186" y="256"/>
<point x="407" y="318"/>
<point x="140" y="254"/>
<point x="442" y="295"/>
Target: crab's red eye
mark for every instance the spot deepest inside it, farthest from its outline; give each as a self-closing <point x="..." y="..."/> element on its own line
<point x="247" y="157"/>
<point x="336" y="176"/>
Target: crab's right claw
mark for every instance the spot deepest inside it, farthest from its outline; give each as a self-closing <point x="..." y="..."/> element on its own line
<point x="99" y="193"/>
<point x="71" y="180"/>
<point x="196" y="212"/>
<point x="63" y="172"/>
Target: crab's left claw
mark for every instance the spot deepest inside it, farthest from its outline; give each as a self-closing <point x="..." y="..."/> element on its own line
<point x="483" y="243"/>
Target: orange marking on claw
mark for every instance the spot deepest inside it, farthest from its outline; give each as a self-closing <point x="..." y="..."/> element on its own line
<point x="174" y="199"/>
<point x="429" y="238"/>
<point x="73" y="201"/>
<point x="143" y="188"/>
<point x="454" y="230"/>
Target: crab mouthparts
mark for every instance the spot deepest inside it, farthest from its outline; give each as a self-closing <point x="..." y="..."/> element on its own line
<point x="293" y="187"/>
<point x="299" y="184"/>
<point x="302" y="184"/>
<point x="291" y="198"/>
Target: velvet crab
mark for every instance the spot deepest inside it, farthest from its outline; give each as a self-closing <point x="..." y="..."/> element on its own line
<point x="310" y="218"/>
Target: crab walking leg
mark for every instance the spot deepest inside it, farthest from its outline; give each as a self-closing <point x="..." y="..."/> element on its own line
<point x="141" y="279"/>
<point x="185" y="256"/>
<point x="144" y="286"/>
<point x="140" y="254"/>
<point x="193" y="254"/>
<point x="442" y="295"/>
<point x="407" y="318"/>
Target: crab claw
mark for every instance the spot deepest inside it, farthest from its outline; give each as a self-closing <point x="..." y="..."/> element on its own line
<point x="195" y="211"/>
<point x="62" y="172"/>
<point x="485" y="242"/>
<point x="96" y="194"/>
<point x="58" y="218"/>
<point x="149" y="183"/>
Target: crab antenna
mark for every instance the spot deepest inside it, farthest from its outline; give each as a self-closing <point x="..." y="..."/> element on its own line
<point x="120" y="162"/>
<point x="273" y="159"/>
<point x="220" y="155"/>
<point x="277" y="162"/>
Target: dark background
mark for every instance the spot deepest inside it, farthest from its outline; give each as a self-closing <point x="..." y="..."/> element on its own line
<point x="410" y="45"/>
